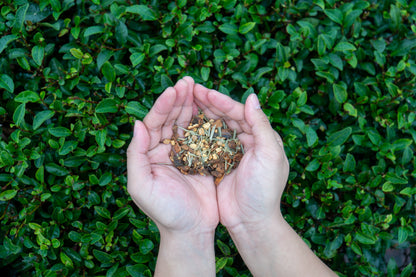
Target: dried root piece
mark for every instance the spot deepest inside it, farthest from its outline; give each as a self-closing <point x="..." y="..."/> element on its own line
<point x="208" y="146"/>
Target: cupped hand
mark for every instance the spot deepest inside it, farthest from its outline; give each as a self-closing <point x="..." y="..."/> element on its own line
<point x="250" y="194"/>
<point x="176" y="202"/>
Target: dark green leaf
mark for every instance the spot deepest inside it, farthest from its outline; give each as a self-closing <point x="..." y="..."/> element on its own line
<point x="344" y="47"/>
<point x="340" y="93"/>
<point x="338" y="138"/>
<point x="103" y="212"/>
<point x="5" y="40"/>
<point x="41" y="117"/>
<point x="146" y="246"/>
<point x="101" y="256"/>
<point x="38" y="53"/>
<point x="19" y="114"/>
<point x="335" y="15"/>
<point x="59" y="132"/>
<point x="136" y="109"/>
<point x="6" y="83"/>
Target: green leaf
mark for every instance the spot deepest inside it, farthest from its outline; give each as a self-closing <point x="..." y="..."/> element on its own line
<point x="41" y="117"/>
<point x="365" y="238"/>
<point x="136" y="109"/>
<point x="402" y="234"/>
<point x="145" y="12"/>
<point x="146" y="246"/>
<point x="225" y="249"/>
<point x="321" y="47"/>
<point x="101" y="256"/>
<point x="338" y="138"/>
<point x="93" y="30"/>
<point x="228" y="28"/>
<point x="8" y="195"/>
<point x="38" y="53"/>
<point x="107" y="105"/>
<point x="20" y="18"/>
<point x="407" y="271"/>
<point x="121" y="32"/>
<point x="394" y="179"/>
<point x="350" y="109"/>
<point x="137" y="58"/>
<point x="66" y="260"/>
<point x="205" y="73"/>
<point x="59" y="132"/>
<point x="19" y="114"/>
<point x="6" y="83"/>
<point x="345" y="46"/>
<point x="121" y="213"/>
<point x="76" y="53"/>
<point x="335" y="15"/>
<point x="55" y="169"/>
<point x="137" y="270"/>
<point x="103" y="212"/>
<point x="246" y="27"/>
<point x="340" y="93"/>
<point x="349" y="163"/>
<point x="27" y="96"/>
<point x="311" y="136"/>
<point x="156" y="49"/>
<point x="5" y="40"/>
<point x="108" y="71"/>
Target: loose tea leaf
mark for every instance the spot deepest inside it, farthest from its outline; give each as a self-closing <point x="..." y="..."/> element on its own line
<point x="208" y="147"/>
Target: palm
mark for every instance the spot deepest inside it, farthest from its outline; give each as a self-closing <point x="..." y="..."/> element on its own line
<point x="180" y="201"/>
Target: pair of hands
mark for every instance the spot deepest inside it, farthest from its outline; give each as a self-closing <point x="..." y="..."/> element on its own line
<point x="192" y="204"/>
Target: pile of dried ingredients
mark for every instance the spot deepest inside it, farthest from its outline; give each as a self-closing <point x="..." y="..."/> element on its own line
<point x="208" y="146"/>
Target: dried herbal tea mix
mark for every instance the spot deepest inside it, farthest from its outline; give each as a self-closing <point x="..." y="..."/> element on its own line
<point x="208" y="146"/>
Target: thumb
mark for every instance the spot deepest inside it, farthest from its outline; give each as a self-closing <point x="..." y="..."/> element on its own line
<point x="263" y="133"/>
<point x="139" y="175"/>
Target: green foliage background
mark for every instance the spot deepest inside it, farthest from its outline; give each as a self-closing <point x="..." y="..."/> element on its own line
<point x="336" y="78"/>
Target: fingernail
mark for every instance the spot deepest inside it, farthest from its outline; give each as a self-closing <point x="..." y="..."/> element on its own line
<point x="134" y="128"/>
<point x="255" y="101"/>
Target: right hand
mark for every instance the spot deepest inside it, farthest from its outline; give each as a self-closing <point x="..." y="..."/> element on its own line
<point x="250" y="194"/>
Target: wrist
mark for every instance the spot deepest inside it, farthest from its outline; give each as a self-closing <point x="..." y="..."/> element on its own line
<point x="186" y="254"/>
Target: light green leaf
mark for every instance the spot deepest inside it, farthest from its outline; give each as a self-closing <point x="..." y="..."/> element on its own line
<point x="108" y="71"/>
<point x="144" y="11"/>
<point x="76" y="53"/>
<point x="402" y="234"/>
<point x="8" y="195"/>
<point x="27" y="96"/>
<point x="246" y="27"/>
<point x="311" y="136"/>
<point x="107" y="106"/>
<point x="136" y="58"/>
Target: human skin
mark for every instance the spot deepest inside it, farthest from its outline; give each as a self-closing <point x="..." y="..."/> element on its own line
<point x="187" y="208"/>
<point x="184" y="207"/>
<point x="249" y="197"/>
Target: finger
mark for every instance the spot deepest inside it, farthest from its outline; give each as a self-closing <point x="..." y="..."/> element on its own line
<point x="217" y="105"/>
<point x="159" y="114"/>
<point x="230" y="110"/>
<point x="263" y="133"/>
<point x="187" y="85"/>
<point x="201" y="99"/>
<point x="139" y="175"/>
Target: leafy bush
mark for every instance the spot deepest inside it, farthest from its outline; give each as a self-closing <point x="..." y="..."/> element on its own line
<point x="336" y="78"/>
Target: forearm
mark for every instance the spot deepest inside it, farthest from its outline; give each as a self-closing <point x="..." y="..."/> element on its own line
<point x="274" y="249"/>
<point x="186" y="255"/>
